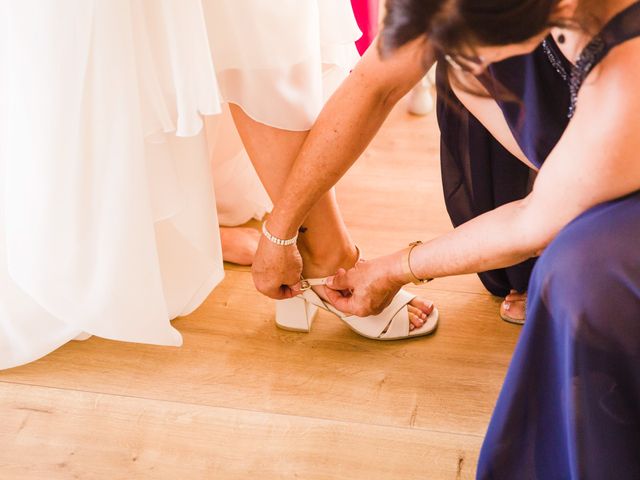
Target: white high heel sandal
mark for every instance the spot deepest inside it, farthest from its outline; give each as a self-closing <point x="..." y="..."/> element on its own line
<point x="296" y="314"/>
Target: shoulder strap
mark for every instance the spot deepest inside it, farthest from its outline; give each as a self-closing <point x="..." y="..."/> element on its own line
<point x="622" y="27"/>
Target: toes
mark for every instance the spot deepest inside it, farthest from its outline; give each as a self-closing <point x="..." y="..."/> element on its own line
<point x="416" y="317"/>
<point x="518" y="309"/>
<point x="416" y="312"/>
<point x="514" y="307"/>
<point x="423" y="305"/>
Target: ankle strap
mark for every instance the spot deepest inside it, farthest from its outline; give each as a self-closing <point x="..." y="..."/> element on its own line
<point x="307" y="283"/>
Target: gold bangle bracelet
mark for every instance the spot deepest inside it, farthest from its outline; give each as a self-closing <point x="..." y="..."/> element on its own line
<point x="407" y="265"/>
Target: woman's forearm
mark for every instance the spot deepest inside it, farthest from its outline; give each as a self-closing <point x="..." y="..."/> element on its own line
<point x="502" y="237"/>
<point x="343" y="130"/>
<point x="345" y="127"/>
<point x="577" y="175"/>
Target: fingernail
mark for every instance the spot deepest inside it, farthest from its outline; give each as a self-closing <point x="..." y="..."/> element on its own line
<point x="423" y="315"/>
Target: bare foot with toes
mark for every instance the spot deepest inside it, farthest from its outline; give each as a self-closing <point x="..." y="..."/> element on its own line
<point x="513" y="308"/>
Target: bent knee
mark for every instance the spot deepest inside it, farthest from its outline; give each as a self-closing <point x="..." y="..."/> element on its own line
<point x="592" y="269"/>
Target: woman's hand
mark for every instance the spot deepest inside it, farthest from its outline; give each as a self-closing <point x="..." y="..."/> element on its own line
<point x="277" y="270"/>
<point x="367" y="288"/>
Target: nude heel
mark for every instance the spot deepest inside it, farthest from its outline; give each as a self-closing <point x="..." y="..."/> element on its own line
<point x="295" y="314"/>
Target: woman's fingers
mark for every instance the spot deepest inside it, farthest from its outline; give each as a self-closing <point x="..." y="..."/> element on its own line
<point x="278" y="292"/>
<point x="285" y="291"/>
<point x="276" y="270"/>
<point x="340" y="289"/>
<point x="295" y="289"/>
<point x="359" y="292"/>
<point x="340" y="281"/>
<point x="338" y="300"/>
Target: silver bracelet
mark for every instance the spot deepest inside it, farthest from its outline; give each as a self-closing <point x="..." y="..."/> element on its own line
<point x="276" y="240"/>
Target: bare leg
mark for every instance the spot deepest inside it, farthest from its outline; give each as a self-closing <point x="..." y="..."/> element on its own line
<point x="326" y="244"/>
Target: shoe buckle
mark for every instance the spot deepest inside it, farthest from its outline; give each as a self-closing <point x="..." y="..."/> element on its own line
<point x="305" y="285"/>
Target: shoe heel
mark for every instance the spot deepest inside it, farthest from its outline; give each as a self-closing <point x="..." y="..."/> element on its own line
<point x="295" y="314"/>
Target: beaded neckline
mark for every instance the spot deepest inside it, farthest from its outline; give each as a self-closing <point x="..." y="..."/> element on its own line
<point x="623" y="26"/>
<point x="588" y="58"/>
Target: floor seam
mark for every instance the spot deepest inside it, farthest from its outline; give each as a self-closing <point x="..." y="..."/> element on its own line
<point x="247" y="410"/>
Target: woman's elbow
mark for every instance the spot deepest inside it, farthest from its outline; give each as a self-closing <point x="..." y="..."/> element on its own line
<point x="536" y="229"/>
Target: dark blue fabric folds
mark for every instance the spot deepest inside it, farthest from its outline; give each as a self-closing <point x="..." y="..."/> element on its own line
<point x="570" y="404"/>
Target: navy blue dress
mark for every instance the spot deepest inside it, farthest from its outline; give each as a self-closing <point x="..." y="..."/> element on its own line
<point x="478" y="175"/>
<point x="570" y="404"/>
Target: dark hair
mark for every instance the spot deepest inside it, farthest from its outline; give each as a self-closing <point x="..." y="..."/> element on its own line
<point x="461" y="25"/>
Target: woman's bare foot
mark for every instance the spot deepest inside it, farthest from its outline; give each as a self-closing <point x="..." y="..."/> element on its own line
<point x="419" y="308"/>
<point x="239" y="244"/>
<point x="513" y="308"/>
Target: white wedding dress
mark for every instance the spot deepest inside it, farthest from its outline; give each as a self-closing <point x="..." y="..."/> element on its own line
<point x="108" y="222"/>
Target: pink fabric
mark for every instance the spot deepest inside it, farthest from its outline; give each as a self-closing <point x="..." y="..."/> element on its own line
<point x="366" y="12"/>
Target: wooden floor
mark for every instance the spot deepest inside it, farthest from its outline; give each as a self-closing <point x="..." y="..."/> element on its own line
<point x="244" y="400"/>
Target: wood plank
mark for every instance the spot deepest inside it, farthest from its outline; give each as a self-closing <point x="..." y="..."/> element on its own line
<point x="234" y="356"/>
<point x="395" y="190"/>
<point x="59" y="434"/>
<point x="243" y="399"/>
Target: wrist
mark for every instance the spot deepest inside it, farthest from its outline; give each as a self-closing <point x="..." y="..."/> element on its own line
<point x="405" y="268"/>
<point x="280" y="226"/>
<point x="282" y="242"/>
<point x="395" y="269"/>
